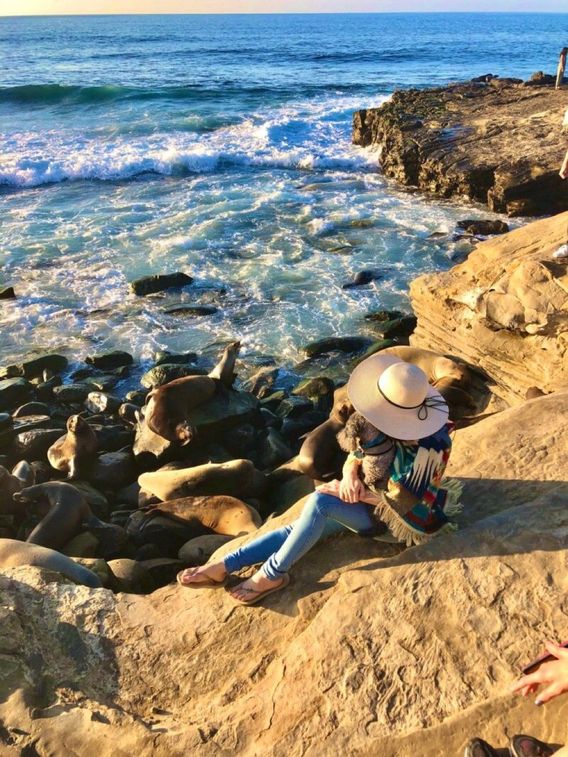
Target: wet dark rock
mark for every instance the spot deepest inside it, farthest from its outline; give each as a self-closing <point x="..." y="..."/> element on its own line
<point x="100" y="402"/>
<point x="129" y="494"/>
<point x="483" y="228"/>
<point x="270" y="419"/>
<point x="163" y="374"/>
<point x="174" y="359"/>
<point x="103" y="383"/>
<point x="44" y="390"/>
<point x="314" y="388"/>
<point x="7" y="293"/>
<point x="113" y="470"/>
<point x="33" y="445"/>
<point x="110" y="360"/>
<point x="10" y="371"/>
<point x="137" y="397"/>
<point x="159" y="283"/>
<point x="96" y="500"/>
<point x="150" y="449"/>
<point x="381" y="316"/>
<point x="293" y="407"/>
<point x="240" y="440"/>
<point x="262" y="382"/>
<point x="192" y="310"/>
<point x="162" y="570"/>
<point x="274" y="450"/>
<point x="294" y="428"/>
<point x="272" y="401"/>
<point x="167" y="534"/>
<point x="401" y="327"/>
<point x="380" y="344"/>
<point x="337" y="344"/>
<point x="217" y="453"/>
<point x="129" y="412"/>
<point x="6" y="421"/>
<point x="52" y="362"/>
<point x="361" y="279"/>
<point x="71" y="394"/>
<point x="481" y="141"/>
<point x="13" y="392"/>
<point x="112" y="438"/>
<point x="82" y="373"/>
<point x="32" y="408"/>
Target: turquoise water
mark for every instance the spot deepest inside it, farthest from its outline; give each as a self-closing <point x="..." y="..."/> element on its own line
<point x="221" y="146"/>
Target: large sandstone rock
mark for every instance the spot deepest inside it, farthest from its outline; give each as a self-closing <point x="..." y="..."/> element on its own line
<point x="505" y="309"/>
<point x="371" y="650"/>
<point x="500" y="145"/>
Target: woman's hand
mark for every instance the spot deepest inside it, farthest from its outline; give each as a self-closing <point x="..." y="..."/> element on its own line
<point x="553" y="675"/>
<point x="351" y="488"/>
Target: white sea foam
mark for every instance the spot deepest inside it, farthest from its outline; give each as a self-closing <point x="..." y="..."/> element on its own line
<point x="304" y="136"/>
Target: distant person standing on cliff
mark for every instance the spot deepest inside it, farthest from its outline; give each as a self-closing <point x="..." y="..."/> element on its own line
<point x="562" y="251"/>
<point x="399" y="443"/>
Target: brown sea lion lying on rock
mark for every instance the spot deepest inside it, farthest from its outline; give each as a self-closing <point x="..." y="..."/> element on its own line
<point x="168" y="408"/>
<point x="237" y="477"/>
<point x="14" y="553"/>
<point x="320" y="456"/>
<point x="220" y="514"/>
<point x="452" y="379"/>
<point x="63" y="508"/>
<point x="76" y="449"/>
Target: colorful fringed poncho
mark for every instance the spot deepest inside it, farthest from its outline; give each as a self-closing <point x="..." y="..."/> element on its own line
<point x="416" y="501"/>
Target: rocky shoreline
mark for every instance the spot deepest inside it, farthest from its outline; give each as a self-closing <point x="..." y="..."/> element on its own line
<point x="496" y="141"/>
<point x="347" y="658"/>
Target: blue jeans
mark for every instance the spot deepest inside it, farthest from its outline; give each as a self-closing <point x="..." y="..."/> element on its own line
<point x="322" y="516"/>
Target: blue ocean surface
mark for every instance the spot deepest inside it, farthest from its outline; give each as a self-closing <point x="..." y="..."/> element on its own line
<point x="221" y="146"/>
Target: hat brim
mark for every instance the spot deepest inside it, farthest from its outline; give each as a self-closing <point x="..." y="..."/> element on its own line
<point x="399" y="423"/>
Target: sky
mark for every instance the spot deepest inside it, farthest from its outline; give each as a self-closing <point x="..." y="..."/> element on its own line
<point x="48" y="7"/>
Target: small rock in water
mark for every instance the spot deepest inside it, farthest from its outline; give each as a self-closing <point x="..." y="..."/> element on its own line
<point x="484" y="78"/>
<point x="294" y="407"/>
<point x="337" y="343"/>
<point x="384" y="315"/>
<point x="399" y="328"/>
<point x="361" y="279"/>
<point x="261" y="383"/>
<point x="110" y="360"/>
<point x="159" y="283"/>
<point x="192" y="310"/>
<point x="483" y="227"/>
<point x="7" y="293"/>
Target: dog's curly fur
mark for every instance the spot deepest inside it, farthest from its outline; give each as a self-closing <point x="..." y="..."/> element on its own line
<point x="374" y="467"/>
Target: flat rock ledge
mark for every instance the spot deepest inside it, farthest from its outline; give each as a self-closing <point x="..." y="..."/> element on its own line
<point x="498" y="143"/>
<point x="370" y="650"/>
<point x="505" y="310"/>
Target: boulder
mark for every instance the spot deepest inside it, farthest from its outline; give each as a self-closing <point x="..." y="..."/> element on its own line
<point x="274" y="450"/>
<point x="32" y="408"/>
<point x="33" y="444"/>
<point x="505" y="309"/>
<point x="110" y="360"/>
<point x="131" y="577"/>
<point x="163" y="356"/>
<point x="71" y="394"/>
<point x="100" y="402"/>
<point x="159" y="283"/>
<point x="198" y="551"/>
<point x="14" y="391"/>
<point x="337" y="344"/>
<point x="113" y="470"/>
<point x="166" y="372"/>
<point x="483" y="228"/>
<point x="398" y="329"/>
<point x="7" y="293"/>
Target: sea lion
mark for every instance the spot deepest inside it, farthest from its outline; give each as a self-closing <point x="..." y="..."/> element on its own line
<point x="220" y="514"/>
<point x="168" y="409"/>
<point x="9" y="485"/>
<point x="237" y="477"/>
<point x="320" y="456"/>
<point x="76" y="449"/>
<point x="14" y="553"/>
<point x="64" y="510"/>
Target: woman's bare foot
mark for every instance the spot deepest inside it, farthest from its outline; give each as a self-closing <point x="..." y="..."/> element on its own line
<point x="205" y="574"/>
<point x="254" y="586"/>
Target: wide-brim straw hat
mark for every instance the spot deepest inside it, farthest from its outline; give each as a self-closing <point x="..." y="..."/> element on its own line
<point x="396" y="398"/>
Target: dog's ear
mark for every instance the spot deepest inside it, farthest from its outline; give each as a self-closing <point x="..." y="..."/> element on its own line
<point x="344" y="410"/>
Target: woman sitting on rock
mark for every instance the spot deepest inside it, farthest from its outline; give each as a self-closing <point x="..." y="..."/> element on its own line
<point x="399" y="444"/>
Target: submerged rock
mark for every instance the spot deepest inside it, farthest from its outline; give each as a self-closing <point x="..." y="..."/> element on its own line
<point x="192" y="310"/>
<point x="483" y="228"/>
<point x="337" y="344"/>
<point x="160" y="282"/>
<point x="110" y="360"/>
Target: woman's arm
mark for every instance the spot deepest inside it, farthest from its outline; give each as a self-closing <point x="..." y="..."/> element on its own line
<point x="351" y="488"/>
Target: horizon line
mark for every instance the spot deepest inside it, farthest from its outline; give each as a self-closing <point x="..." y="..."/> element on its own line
<point x="288" y="13"/>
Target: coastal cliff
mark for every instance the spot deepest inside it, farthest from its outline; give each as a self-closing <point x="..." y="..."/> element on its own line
<point x="496" y="142"/>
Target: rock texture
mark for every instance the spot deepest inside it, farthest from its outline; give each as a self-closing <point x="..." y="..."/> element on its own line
<point x="505" y="309"/>
<point x="370" y="651"/>
<point x="495" y="142"/>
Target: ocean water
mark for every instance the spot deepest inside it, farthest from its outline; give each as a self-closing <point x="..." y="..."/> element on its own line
<point x="221" y="146"/>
